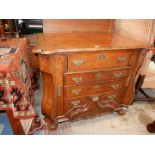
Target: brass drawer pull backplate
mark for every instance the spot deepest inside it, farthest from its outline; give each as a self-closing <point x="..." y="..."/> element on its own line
<point x="121" y="59"/>
<point x="76" y="91"/>
<point x="77" y="79"/>
<point x="78" y="62"/>
<point x="112" y="97"/>
<point x="118" y="75"/>
<point x="76" y="102"/>
<point x="101" y="57"/>
<point x="98" y="75"/>
<point x="115" y="86"/>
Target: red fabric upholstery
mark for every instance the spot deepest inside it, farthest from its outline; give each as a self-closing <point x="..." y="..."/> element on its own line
<point x="16" y="91"/>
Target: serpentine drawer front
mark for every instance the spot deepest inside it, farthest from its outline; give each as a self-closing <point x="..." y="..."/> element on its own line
<point x="86" y="61"/>
<point x="112" y="98"/>
<point x="92" y="105"/>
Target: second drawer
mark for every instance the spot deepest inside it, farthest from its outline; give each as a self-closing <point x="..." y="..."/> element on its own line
<point x="78" y="78"/>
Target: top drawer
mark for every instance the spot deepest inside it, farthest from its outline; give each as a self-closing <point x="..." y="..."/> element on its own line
<point x="85" y="61"/>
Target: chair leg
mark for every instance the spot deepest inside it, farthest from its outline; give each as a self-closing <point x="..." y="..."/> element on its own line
<point x="151" y="127"/>
<point x="15" y="123"/>
<point x="139" y="89"/>
<point x="143" y="92"/>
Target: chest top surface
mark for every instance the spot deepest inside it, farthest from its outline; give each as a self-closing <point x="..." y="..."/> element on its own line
<point x="51" y="43"/>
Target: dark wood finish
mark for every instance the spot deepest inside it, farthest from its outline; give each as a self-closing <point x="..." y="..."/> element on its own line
<point x="64" y="56"/>
<point x="15" y="123"/>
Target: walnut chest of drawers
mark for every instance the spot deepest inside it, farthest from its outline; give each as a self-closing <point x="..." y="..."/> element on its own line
<point x="87" y="74"/>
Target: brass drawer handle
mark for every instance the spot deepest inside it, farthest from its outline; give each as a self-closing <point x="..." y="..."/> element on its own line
<point x="77" y="79"/>
<point x="101" y="56"/>
<point x="76" y="91"/>
<point x="76" y="102"/>
<point x="95" y="98"/>
<point x="115" y="86"/>
<point x="121" y="59"/>
<point x="103" y="104"/>
<point x="78" y="62"/>
<point x="118" y="75"/>
<point x="97" y="86"/>
<point x="98" y="75"/>
<point x="112" y="97"/>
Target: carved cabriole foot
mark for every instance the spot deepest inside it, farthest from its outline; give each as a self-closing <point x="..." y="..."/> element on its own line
<point x="122" y="110"/>
<point x="51" y="124"/>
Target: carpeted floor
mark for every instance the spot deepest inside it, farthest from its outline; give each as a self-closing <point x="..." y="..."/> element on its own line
<point x="1" y="128"/>
<point x="134" y="122"/>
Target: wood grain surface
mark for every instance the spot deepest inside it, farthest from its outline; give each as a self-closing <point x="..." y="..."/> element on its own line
<point x="73" y="42"/>
<point x="139" y="29"/>
<point x="78" y="25"/>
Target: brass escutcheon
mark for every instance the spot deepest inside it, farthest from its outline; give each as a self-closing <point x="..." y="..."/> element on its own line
<point x="127" y="81"/>
<point x="59" y="91"/>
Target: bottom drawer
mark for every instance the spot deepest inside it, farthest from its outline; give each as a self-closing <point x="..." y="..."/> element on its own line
<point x="90" y="106"/>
